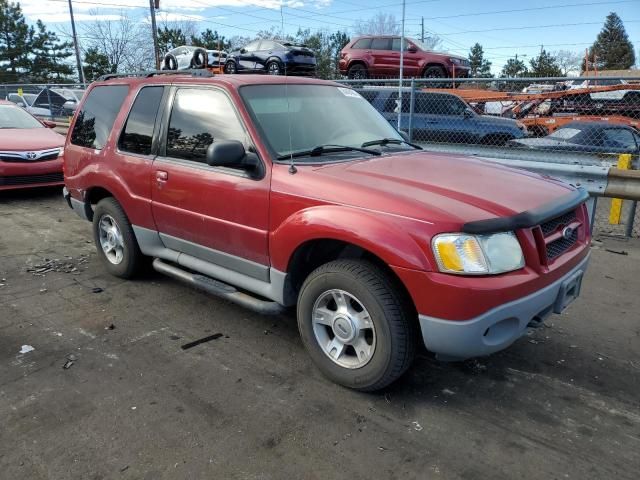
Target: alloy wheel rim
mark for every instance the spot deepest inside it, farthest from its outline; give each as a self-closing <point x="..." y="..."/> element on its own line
<point x="111" y="240"/>
<point x="274" y="69"/>
<point x="343" y="329"/>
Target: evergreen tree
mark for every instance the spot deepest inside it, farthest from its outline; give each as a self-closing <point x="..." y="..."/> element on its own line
<point x="96" y="64"/>
<point x="613" y="50"/>
<point x="170" y="38"/>
<point x="15" y="42"/>
<point x="480" y="67"/>
<point x="211" y="40"/>
<point x="514" y="68"/>
<point x="49" y="56"/>
<point x="545" y="65"/>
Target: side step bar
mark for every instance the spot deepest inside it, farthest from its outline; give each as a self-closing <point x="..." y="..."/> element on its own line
<point x="218" y="288"/>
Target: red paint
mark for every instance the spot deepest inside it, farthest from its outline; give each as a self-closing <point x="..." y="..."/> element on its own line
<point x="28" y="140"/>
<point x="390" y="205"/>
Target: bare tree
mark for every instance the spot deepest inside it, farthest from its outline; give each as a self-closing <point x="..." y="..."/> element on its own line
<point x="379" y="24"/>
<point x="125" y="42"/>
<point x="432" y="42"/>
<point x="568" y="61"/>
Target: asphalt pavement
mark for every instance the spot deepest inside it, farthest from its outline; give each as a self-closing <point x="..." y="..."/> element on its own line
<point x="108" y="386"/>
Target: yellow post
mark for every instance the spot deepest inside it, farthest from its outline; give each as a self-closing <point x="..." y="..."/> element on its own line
<point x="624" y="163"/>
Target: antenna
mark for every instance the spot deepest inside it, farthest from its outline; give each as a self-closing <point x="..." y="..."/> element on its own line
<point x="292" y="167"/>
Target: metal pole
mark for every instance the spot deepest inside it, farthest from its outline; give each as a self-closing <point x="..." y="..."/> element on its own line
<point x="631" y="217"/>
<point x="401" y="68"/>
<point x="49" y="101"/>
<point x="412" y="101"/>
<point x="422" y="34"/>
<point x="75" y="44"/>
<point x="154" y="33"/>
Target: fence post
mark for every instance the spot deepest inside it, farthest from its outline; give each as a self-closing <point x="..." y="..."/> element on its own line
<point x="624" y="163"/>
<point x="49" y="101"/>
<point x="412" y="100"/>
<point x="631" y="218"/>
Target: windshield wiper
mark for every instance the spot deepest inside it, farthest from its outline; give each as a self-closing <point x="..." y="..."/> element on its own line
<point x="329" y="148"/>
<point x="390" y="141"/>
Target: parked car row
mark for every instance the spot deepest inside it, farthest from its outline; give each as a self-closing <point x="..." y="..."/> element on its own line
<point x="49" y="102"/>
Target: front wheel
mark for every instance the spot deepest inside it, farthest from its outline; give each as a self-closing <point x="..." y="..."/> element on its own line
<point x="273" y="68"/>
<point x="356" y="324"/>
<point x="230" y="68"/>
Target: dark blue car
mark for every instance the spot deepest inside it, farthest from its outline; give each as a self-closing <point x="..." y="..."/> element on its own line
<point x="444" y="118"/>
<point x="272" y="57"/>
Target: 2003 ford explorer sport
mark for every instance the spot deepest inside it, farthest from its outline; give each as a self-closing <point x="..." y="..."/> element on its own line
<point x="272" y="192"/>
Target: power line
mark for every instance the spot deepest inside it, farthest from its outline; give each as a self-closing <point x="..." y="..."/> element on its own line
<point x="528" y="27"/>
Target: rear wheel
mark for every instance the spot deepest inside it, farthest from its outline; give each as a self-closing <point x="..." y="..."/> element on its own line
<point x="356" y="324"/>
<point x="357" y="72"/>
<point x="230" y="68"/>
<point x="273" y="68"/>
<point x="434" y="72"/>
<point x="116" y="243"/>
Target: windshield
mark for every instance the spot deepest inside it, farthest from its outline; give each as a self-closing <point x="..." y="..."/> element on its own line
<point x="565" y="133"/>
<point x="15" y="117"/>
<point x="295" y="118"/>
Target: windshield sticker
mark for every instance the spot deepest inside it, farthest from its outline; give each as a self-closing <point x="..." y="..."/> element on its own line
<point x="347" y="92"/>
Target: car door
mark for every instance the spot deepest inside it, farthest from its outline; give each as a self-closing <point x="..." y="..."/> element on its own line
<point x="216" y="214"/>
<point x="247" y="57"/>
<point x="381" y="63"/>
<point x="263" y="54"/>
<point x="410" y="59"/>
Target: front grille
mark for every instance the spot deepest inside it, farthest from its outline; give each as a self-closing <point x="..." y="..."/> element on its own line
<point x="44" y="158"/>
<point x="555" y="244"/>
<point x="552" y="225"/>
<point x="31" y="179"/>
<point x="561" y="245"/>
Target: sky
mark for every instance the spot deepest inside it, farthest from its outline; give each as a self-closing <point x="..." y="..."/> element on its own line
<point x="503" y="27"/>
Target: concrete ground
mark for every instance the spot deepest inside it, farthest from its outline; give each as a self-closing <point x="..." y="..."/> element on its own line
<point x="132" y="404"/>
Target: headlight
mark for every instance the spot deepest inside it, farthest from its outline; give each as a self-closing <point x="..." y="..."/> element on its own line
<point x="455" y="61"/>
<point x="464" y="254"/>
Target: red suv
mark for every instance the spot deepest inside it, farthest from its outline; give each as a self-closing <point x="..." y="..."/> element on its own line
<point x="374" y="56"/>
<point x="273" y="192"/>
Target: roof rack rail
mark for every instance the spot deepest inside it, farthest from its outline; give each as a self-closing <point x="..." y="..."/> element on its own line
<point x="152" y="73"/>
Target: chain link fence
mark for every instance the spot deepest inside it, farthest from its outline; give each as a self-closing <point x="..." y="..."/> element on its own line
<point x="49" y="101"/>
<point x="565" y="120"/>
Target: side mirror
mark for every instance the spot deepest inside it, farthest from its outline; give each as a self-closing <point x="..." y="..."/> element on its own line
<point x="49" y="124"/>
<point x="468" y="113"/>
<point x="231" y="154"/>
<point x="243" y="50"/>
<point x="412" y="49"/>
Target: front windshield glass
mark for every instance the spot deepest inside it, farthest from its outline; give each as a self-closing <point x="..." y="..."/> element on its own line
<point x="564" y="133"/>
<point x="295" y="118"/>
<point x="15" y="117"/>
<point x="420" y="45"/>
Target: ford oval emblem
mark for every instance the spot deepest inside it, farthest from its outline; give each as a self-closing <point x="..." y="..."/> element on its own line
<point x="567" y="233"/>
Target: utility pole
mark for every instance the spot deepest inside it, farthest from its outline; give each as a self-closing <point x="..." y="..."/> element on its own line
<point x="422" y="34"/>
<point x="401" y="69"/>
<point x="75" y="44"/>
<point x="153" y="4"/>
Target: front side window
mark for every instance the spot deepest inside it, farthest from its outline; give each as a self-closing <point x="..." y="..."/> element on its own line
<point x="95" y="120"/>
<point x="252" y="47"/>
<point x="620" y="137"/>
<point x="137" y="134"/>
<point x="396" y="44"/>
<point x="200" y="117"/>
<point x="267" y="45"/>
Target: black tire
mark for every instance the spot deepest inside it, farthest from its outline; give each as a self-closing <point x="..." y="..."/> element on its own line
<point x="170" y="62"/>
<point x="132" y="258"/>
<point x="273" y="67"/>
<point x="230" y="67"/>
<point x="357" y="71"/>
<point x="390" y="313"/>
<point x="434" y="72"/>
<point x="199" y="58"/>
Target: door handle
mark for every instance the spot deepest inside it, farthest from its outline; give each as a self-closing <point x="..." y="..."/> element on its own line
<point x="162" y="176"/>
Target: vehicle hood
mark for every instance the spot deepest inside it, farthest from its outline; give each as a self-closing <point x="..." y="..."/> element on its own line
<point x="443" y="188"/>
<point x="26" y="139"/>
<point x="544" y="142"/>
<point x="498" y="121"/>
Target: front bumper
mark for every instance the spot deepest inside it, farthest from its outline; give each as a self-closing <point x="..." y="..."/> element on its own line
<point x="27" y="175"/>
<point x="498" y="328"/>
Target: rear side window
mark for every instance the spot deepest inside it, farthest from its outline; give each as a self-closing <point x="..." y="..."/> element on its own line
<point x="138" y="131"/>
<point x="362" y="44"/>
<point x="198" y="118"/>
<point x="95" y="120"/>
<point x="381" y="44"/>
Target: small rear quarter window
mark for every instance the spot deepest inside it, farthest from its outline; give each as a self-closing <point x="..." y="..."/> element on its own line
<point x="96" y="118"/>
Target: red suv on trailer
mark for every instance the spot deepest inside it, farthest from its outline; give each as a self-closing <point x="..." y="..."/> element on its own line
<point x="30" y="152"/>
<point x="272" y="192"/>
<point x="379" y="56"/>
